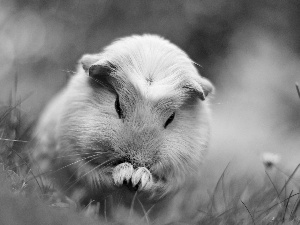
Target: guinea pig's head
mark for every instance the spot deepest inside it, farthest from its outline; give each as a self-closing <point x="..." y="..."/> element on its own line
<point x="142" y="103"/>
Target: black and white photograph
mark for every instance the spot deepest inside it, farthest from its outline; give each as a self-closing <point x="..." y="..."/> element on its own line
<point x="149" y="112"/>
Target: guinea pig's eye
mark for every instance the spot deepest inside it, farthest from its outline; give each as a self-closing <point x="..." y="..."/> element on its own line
<point x="169" y="120"/>
<point x="118" y="107"/>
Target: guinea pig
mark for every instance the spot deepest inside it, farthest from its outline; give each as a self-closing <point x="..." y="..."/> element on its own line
<point x="132" y="123"/>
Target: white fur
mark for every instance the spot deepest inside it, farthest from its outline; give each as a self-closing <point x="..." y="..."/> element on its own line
<point x="153" y="79"/>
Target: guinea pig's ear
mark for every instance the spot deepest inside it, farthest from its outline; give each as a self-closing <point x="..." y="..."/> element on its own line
<point x="100" y="71"/>
<point x="206" y="86"/>
<point x="95" y="68"/>
<point x="201" y="87"/>
<point x="88" y="60"/>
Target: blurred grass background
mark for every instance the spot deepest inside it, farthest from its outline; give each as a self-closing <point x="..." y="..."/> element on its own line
<point x="250" y="50"/>
<point x="42" y="40"/>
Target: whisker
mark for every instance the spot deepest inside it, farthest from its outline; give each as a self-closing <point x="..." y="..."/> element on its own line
<point x="13" y="140"/>
<point x="50" y="171"/>
<point x="96" y="167"/>
<point x="80" y="154"/>
<point x="72" y="175"/>
<point x="69" y="71"/>
<point x="197" y="64"/>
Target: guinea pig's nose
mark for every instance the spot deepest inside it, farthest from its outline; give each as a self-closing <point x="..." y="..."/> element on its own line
<point x="141" y="160"/>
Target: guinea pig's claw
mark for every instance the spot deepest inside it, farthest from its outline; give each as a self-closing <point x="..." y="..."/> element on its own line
<point x="125" y="172"/>
<point x="122" y="172"/>
<point x="143" y="176"/>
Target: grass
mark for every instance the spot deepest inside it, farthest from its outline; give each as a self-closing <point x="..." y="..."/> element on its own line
<point x="28" y="199"/>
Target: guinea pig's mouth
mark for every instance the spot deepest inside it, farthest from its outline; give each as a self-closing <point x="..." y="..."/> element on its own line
<point x="118" y="162"/>
<point x="129" y="185"/>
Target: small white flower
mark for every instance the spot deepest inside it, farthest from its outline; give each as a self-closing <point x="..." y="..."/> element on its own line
<point x="270" y="159"/>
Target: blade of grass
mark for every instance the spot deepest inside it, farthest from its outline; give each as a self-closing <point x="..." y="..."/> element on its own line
<point x="145" y="213"/>
<point x="223" y="189"/>
<point x="298" y="89"/>
<point x="285" y="189"/>
<point x="35" y="178"/>
<point x="132" y="205"/>
<point x="226" y="211"/>
<point x="286" y="205"/>
<point x="105" y="208"/>
<point x="295" y="207"/>
<point x="149" y="211"/>
<point x="10" y="101"/>
<point x="14" y="107"/>
<point x="263" y="212"/>
<point x="249" y="212"/>
<point x="278" y="195"/>
<point x="15" y="88"/>
<point x="212" y="199"/>
<point x="288" y="180"/>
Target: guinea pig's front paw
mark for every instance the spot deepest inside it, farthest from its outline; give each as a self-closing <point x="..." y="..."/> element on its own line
<point x="143" y="177"/>
<point x="122" y="172"/>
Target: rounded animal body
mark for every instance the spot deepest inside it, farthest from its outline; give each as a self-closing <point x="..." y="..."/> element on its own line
<point x="131" y="125"/>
